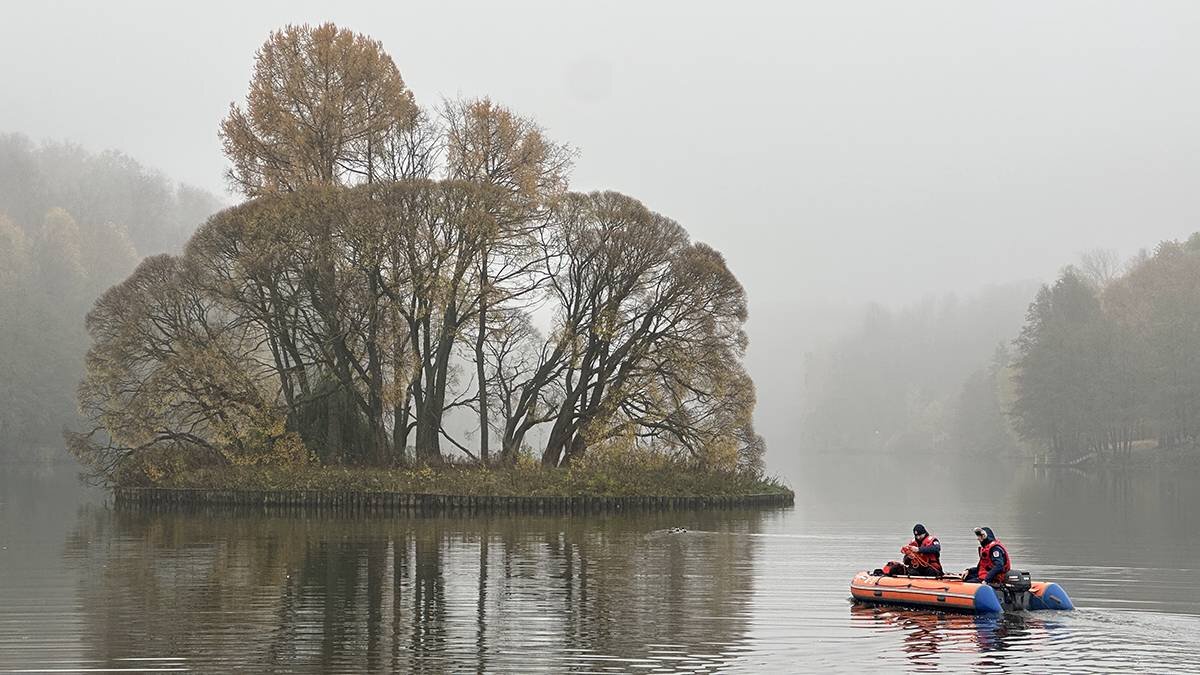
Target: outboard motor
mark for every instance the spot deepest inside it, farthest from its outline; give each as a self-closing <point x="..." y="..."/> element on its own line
<point x="1015" y="590"/>
<point x="1018" y="580"/>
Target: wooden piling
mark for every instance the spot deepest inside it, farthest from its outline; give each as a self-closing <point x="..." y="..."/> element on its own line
<point x="157" y="499"/>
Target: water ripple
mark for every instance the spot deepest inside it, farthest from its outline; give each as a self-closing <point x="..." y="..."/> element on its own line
<point x="97" y="590"/>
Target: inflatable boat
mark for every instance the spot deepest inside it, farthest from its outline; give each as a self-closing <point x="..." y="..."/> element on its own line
<point x="952" y="593"/>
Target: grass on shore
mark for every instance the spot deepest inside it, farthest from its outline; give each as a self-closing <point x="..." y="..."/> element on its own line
<point x="662" y="478"/>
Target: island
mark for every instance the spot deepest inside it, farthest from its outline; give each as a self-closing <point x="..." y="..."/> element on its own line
<point x="412" y="304"/>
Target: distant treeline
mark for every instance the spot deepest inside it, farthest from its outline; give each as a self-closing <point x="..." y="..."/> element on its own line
<point x="395" y="264"/>
<point x="72" y="223"/>
<point x="930" y="377"/>
<point x="1107" y="360"/>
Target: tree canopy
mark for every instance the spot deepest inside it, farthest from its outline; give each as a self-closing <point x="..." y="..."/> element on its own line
<point x="384" y="250"/>
<point x="325" y="106"/>
<point x="1107" y="361"/>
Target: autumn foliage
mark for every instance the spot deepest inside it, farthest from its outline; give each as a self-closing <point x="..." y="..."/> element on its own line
<point x="408" y="286"/>
<point x="1107" y="362"/>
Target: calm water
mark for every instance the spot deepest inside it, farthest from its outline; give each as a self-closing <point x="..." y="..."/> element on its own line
<point x="85" y="587"/>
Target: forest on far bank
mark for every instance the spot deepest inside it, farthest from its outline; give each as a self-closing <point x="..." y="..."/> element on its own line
<point x="929" y="377"/>
<point x="1100" y="363"/>
<point x="72" y="223"/>
<point x="1110" y="362"/>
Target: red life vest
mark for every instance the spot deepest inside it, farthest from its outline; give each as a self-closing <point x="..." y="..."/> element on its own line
<point x="933" y="560"/>
<point x="985" y="560"/>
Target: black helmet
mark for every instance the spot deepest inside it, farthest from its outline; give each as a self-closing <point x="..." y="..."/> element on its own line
<point x="919" y="529"/>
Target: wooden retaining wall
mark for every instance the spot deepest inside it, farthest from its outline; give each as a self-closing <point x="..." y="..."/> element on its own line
<point x="382" y="502"/>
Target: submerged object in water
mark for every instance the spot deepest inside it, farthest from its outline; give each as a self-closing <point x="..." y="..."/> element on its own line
<point x="952" y="593"/>
<point x="663" y="533"/>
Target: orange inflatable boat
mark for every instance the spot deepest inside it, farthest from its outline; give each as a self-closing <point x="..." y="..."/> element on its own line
<point x="952" y="593"/>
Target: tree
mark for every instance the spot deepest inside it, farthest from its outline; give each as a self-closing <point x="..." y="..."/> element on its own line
<point x="441" y="228"/>
<point x="490" y="144"/>
<point x="649" y="326"/>
<point x="980" y="426"/>
<point x="19" y="396"/>
<point x="1100" y="266"/>
<point x="170" y="380"/>
<point x="345" y="284"/>
<point x="1060" y="367"/>
<point x="107" y="189"/>
<point x="1104" y="365"/>
<point x="344" y="294"/>
<point x="58" y="256"/>
<point x="325" y="106"/>
<point x="256" y="262"/>
<point x="1156" y="311"/>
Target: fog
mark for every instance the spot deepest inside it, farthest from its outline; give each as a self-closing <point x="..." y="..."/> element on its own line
<point x="836" y="153"/>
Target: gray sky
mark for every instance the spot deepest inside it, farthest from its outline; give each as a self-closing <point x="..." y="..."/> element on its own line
<point x="835" y="151"/>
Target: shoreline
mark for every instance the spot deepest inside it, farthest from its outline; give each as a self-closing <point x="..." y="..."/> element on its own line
<point x="397" y="502"/>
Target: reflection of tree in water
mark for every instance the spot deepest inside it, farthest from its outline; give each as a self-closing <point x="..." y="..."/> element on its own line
<point x="486" y="593"/>
<point x="1143" y="502"/>
<point x="429" y="595"/>
<point x="1115" y="519"/>
<point x="1113" y="538"/>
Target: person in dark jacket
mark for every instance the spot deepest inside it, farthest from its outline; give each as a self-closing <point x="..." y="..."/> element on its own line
<point x="922" y="555"/>
<point x="994" y="562"/>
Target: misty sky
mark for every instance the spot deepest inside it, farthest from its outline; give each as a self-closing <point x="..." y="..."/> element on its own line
<point x="836" y="152"/>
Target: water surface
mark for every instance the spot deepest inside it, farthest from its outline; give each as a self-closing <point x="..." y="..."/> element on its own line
<point x="84" y="586"/>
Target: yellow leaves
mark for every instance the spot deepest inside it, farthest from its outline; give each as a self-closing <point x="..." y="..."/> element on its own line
<point x="527" y="462"/>
<point x="285" y="449"/>
<point x="13" y="249"/>
<point x="59" y="248"/>
<point x="489" y="143"/>
<point x="322" y="100"/>
<point x="721" y="454"/>
<point x="154" y="472"/>
<point x="604" y="328"/>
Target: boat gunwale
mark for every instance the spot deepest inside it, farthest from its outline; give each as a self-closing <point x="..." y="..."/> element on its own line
<point x="918" y="591"/>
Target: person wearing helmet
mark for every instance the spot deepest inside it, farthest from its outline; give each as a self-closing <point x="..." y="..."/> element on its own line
<point x="994" y="562"/>
<point x="922" y="555"/>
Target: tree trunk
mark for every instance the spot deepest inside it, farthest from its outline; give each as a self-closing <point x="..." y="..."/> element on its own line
<point x="428" y="448"/>
<point x="514" y="435"/>
<point x="431" y="409"/>
<point x="560" y="434"/>
<point x="479" y="364"/>
<point x="574" y="450"/>
<point x="400" y="414"/>
<point x="400" y="417"/>
<point x="379" y="441"/>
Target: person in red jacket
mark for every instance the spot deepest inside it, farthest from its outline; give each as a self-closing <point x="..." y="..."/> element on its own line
<point x="922" y="555"/>
<point x="994" y="562"/>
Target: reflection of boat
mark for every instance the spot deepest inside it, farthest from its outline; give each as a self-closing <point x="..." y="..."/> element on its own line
<point x="952" y="593"/>
<point x="928" y="632"/>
